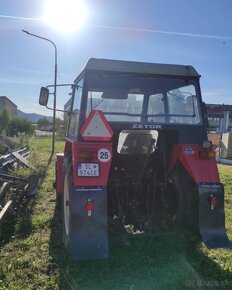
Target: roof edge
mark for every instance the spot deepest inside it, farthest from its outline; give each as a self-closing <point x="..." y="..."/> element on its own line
<point x="140" y="67"/>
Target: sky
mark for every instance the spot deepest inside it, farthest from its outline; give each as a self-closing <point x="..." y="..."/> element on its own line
<point x="197" y="33"/>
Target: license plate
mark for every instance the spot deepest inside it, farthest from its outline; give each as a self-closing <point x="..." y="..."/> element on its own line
<point x="88" y="169"/>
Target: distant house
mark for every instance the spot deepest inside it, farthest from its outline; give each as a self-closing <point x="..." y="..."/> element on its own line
<point x="215" y="115"/>
<point x="47" y="128"/>
<point x="9" y="106"/>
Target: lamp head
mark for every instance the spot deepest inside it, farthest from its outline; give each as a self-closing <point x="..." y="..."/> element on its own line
<point x="25" y="31"/>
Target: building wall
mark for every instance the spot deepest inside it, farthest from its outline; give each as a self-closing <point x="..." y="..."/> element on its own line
<point x="9" y="106"/>
<point x="215" y="115"/>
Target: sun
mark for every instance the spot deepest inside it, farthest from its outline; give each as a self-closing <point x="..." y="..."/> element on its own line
<point x="65" y="15"/>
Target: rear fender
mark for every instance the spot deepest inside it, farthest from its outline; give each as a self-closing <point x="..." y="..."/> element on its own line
<point x="89" y="228"/>
<point x="205" y="175"/>
<point x="212" y="215"/>
<point x="101" y="156"/>
<point x="201" y="170"/>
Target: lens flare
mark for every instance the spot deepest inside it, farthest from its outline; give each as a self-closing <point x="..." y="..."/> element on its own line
<point x="65" y="16"/>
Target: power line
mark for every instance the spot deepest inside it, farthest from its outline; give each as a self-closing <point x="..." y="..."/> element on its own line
<point x="221" y="37"/>
<point x="20" y="18"/>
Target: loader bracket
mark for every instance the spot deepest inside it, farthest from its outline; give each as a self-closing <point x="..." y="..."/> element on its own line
<point x="212" y="215"/>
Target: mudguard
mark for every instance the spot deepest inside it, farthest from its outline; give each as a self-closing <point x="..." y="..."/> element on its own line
<point x="89" y="233"/>
<point x="205" y="175"/>
<point x="201" y="170"/>
<point x="212" y="216"/>
<point x="87" y="171"/>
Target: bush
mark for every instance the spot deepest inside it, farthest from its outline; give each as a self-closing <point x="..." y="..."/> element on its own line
<point x="19" y="125"/>
<point x="3" y="149"/>
<point x="4" y="120"/>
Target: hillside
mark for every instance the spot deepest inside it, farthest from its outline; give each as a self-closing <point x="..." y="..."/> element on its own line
<point x="32" y="117"/>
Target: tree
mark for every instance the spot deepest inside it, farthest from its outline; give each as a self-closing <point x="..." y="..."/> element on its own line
<point x="4" y="120"/>
<point x="43" y="122"/>
<point x="19" y="125"/>
<point x="60" y="127"/>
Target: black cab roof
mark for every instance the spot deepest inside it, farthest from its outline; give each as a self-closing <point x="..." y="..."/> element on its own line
<point x="94" y="64"/>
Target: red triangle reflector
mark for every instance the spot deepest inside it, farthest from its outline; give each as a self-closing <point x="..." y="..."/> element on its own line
<point x="96" y="127"/>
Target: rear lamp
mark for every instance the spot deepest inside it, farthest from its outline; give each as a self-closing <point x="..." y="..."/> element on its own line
<point x="87" y="156"/>
<point x="213" y="201"/>
<point x="207" y="154"/>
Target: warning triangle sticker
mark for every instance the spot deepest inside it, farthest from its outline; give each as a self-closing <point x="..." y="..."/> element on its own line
<point x="96" y="127"/>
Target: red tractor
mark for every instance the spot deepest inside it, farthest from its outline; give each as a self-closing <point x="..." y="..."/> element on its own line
<point x="136" y="149"/>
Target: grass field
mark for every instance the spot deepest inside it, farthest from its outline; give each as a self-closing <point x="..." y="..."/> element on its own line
<point x="32" y="255"/>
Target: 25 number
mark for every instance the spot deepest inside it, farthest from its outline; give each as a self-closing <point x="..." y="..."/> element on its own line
<point x="104" y="155"/>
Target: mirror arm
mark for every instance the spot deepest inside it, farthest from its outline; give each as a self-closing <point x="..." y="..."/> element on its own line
<point x="63" y="111"/>
<point x="63" y="85"/>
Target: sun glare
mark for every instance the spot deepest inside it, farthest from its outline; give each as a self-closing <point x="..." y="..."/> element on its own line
<point x="65" y="15"/>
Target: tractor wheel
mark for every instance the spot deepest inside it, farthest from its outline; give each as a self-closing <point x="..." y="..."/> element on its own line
<point x="58" y="194"/>
<point x="187" y="200"/>
<point x="67" y="223"/>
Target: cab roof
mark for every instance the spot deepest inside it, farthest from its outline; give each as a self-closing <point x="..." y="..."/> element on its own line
<point x="109" y="65"/>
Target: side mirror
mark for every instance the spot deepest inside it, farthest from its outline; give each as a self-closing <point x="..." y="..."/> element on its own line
<point x="43" y="96"/>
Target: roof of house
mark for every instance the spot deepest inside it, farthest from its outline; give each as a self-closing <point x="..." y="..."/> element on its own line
<point x="4" y="97"/>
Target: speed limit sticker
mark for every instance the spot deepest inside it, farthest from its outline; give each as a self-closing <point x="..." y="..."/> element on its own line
<point x="104" y="155"/>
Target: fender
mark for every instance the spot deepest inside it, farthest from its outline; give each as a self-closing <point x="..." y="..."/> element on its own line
<point x="201" y="170"/>
<point x="103" y="164"/>
<point x="212" y="216"/>
<point x="204" y="172"/>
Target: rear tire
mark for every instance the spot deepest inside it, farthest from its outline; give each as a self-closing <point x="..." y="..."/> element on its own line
<point x="66" y="213"/>
<point x="58" y="194"/>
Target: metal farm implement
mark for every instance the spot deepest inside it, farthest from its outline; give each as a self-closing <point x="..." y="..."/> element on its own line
<point x="14" y="191"/>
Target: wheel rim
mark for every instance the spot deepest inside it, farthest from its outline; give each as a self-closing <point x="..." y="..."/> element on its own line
<point x="66" y="205"/>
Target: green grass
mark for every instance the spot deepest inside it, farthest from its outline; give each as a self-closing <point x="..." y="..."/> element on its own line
<point x="33" y="257"/>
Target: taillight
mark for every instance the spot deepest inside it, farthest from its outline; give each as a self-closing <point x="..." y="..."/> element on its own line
<point x="207" y="154"/>
<point x="84" y="156"/>
<point x="89" y="207"/>
<point x="213" y="201"/>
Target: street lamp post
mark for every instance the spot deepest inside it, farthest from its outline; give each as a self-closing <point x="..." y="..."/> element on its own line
<point x="55" y="83"/>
